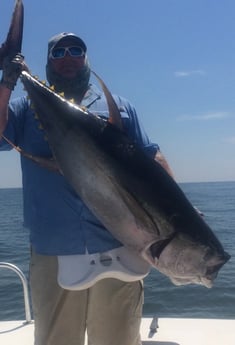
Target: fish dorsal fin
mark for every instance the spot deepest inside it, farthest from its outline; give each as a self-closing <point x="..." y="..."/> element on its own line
<point x="114" y="113"/>
<point x="13" y="43"/>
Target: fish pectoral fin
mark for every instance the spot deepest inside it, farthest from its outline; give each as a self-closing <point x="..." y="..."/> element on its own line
<point x="48" y="163"/>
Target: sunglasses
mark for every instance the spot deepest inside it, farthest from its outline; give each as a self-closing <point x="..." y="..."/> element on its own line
<point x="60" y="52"/>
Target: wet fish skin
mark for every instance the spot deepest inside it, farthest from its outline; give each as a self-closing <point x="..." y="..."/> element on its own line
<point x="130" y="193"/>
<point x="13" y="43"/>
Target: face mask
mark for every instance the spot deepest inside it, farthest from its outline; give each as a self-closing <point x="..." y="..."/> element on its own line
<point x="72" y="88"/>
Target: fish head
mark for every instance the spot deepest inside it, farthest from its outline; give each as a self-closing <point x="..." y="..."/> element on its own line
<point x="186" y="261"/>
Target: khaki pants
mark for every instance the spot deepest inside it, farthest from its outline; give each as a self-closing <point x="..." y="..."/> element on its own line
<point x="110" y="311"/>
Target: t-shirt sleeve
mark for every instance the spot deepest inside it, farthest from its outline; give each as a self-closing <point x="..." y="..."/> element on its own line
<point x="135" y="130"/>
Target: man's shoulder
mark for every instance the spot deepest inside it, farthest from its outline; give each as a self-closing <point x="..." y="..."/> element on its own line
<point x="123" y="103"/>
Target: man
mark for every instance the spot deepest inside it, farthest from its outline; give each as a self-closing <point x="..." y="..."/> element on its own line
<point x="62" y="229"/>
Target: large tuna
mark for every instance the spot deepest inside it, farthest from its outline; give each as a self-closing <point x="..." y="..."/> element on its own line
<point x="129" y="192"/>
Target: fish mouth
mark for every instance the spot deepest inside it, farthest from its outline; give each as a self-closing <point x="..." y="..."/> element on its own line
<point x="208" y="265"/>
<point x="206" y="279"/>
<point x="212" y="270"/>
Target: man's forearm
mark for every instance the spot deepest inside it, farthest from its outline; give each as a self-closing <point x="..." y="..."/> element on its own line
<point x="12" y="68"/>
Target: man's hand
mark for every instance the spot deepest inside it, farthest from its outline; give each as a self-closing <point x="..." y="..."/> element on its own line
<point x="162" y="160"/>
<point x="12" y="68"/>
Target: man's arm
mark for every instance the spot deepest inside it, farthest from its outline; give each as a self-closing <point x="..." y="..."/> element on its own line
<point x="5" y="95"/>
<point x="138" y="134"/>
<point x="12" y="68"/>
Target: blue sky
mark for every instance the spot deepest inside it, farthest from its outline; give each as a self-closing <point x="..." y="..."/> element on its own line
<point x="172" y="59"/>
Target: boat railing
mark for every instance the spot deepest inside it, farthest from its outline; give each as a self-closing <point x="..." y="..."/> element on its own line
<point x="25" y="288"/>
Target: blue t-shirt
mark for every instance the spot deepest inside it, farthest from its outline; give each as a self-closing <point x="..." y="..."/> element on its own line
<point x="58" y="220"/>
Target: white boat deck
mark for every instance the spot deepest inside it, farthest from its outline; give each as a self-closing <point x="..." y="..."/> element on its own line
<point x="162" y="331"/>
<point x="170" y="332"/>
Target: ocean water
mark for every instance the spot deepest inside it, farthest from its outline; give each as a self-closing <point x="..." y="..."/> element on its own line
<point x="215" y="199"/>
